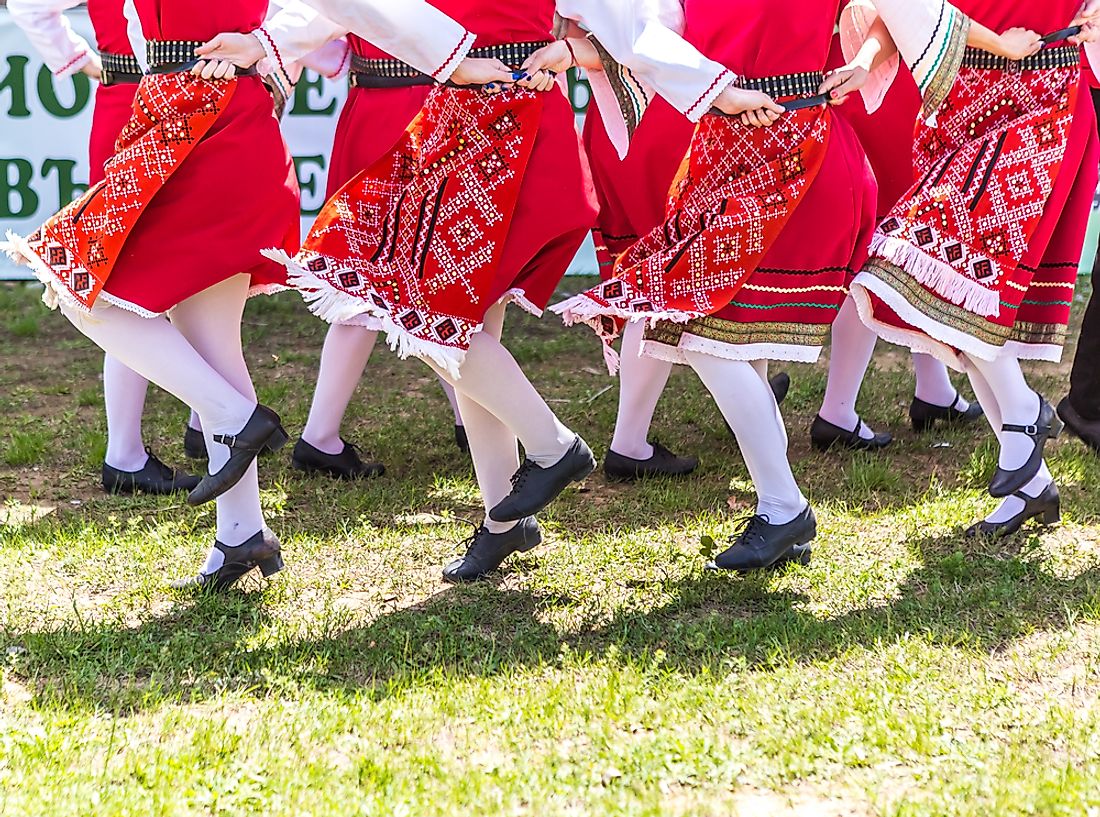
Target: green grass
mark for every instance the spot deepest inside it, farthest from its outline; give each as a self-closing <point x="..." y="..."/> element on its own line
<point x="906" y="671"/>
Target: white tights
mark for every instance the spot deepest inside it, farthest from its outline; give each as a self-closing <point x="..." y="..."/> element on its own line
<point x="196" y="357"/>
<point x="641" y="381"/>
<point x="1006" y="398"/>
<point x="853" y="345"/>
<point x="741" y="390"/>
<point x="499" y="405"/>
<point x="344" y="357"/>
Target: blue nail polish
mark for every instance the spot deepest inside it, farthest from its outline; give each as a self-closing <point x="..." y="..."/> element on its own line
<point x="518" y="75"/>
<point x="491" y="86"/>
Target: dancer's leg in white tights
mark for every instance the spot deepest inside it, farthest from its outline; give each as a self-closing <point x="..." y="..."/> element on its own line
<point x="124" y="399"/>
<point x="490" y="376"/>
<point x="747" y="403"/>
<point x="343" y="359"/>
<point x="1010" y="505"/>
<point x="493" y="446"/>
<point x="934" y="383"/>
<point x="641" y="381"/>
<point x="1017" y="403"/>
<point x="211" y="321"/>
<point x="452" y="398"/>
<point x="161" y="352"/>
<point x="853" y="346"/>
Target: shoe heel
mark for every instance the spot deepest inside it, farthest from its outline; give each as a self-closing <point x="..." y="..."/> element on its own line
<point x="922" y="425"/>
<point x="1052" y="516"/>
<point x="272" y="565"/>
<point x="277" y="440"/>
<point x="1056" y="428"/>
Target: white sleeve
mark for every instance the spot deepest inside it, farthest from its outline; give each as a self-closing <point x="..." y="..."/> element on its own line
<point x="413" y="31"/>
<point x="295" y="37"/>
<point x="135" y="34"/>
<point x="62" y="49"/>
<point x="643" y="55"/>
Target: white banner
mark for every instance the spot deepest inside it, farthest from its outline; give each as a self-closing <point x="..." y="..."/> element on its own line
<point x="46" y="121"/>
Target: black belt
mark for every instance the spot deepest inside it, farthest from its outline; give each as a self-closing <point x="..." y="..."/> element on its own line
<point x="390" y="73"/>
<point x="787" y="86"/>
<point x="119" y="69"/>
<point x="1046" y="60"/>
<point x="178" y="56"/>
<point x="381" y="73"/>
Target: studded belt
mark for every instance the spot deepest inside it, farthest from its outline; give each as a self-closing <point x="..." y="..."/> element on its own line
<point x="120" y="69"/>
<point x="786" y="85"/>
<point x="1045" y="60"/>
<point x="800" y="87"/>
<point x="390" y="73"/>
<point x="178" y="56"/>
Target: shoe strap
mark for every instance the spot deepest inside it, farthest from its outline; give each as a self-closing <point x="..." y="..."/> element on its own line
<point x="955" y="402"/>
<point x="1033" y="430"/>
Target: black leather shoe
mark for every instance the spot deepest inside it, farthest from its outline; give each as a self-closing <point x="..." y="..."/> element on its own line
<point x="263" y="430"/>
<point x="262" y="551"/>
<point x="1087" y="431"/>
<point x="924" y="415"/>
<point x="824" y="435"/>
<point x="461" y="440"/>
<point x="760" y="545"/>
<point x="194" y="444"/>
<point x="535" y="487"/>
<point x="663" y="463"/>
<point x="345" y="465"/>
<point x="781" y="384"/>
<point x="1046" y="426"/>
<point x="154" y="478"/>
<point x="1047" y="507"/>
<point x="485" y="551"/>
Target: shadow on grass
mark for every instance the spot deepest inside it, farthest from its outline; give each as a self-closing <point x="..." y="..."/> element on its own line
<point x="981" y="600"/>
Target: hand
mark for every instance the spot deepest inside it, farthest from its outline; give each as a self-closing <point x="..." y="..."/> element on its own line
<point x="553" y="57"/>
<point x="1090" y="12"/>
<point x="1090" y="32"/>
<point x="1017" y="43"/>
<point x="538" y="81"/>
<point x="843" y="82"/>
<point x="240" y="49"/>
<point x="757" y="109"/>
<point x="93" y="68"/>
<point x="475" y="71"/>
<point x="214" y="69"/>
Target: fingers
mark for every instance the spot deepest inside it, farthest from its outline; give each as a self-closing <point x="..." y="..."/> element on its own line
<point x="833" y="80"/>
<point x="214" y="69"/>
<point x="539" y="81"/>
<point x="208" y="48"/>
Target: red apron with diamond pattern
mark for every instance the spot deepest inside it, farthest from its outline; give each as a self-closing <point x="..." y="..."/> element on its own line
<point x="414" y="240"/>
<point x="76" y="249"/>
<point x="736" y="191"/>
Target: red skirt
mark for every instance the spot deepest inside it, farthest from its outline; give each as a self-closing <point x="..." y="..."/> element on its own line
<point x="762" y="230"/>
<point x="485" y="198"/>
<point x="633" y="191"/>
<point x="200" y="184"/>
<point x="371" y="123"/>
<point x="981" y="255"/>
<point x="114" y="105"/>
<point x="887" y="134"/>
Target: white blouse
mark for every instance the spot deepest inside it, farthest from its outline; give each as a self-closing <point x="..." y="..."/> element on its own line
<point x="62" y="49"/>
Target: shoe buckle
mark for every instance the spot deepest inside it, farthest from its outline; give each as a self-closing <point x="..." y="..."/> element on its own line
<point x="1031" y="430"/>
<point x="229" y="440"/>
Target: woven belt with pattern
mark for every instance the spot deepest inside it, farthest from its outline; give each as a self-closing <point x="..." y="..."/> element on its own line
<point x="785" y="85"/>
<point x="177" y="56"/>
<point x="381" y="73"/>
<point x="120" y="69"/>
<point x="1045" y="60"/>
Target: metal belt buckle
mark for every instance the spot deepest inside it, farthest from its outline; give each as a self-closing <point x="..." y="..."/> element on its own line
<point x="1015" y="67"/>
<point x="106" y="77"/>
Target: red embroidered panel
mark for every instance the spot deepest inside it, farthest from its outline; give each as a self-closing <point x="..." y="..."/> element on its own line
<point x="735" y="192"/>
<point x="414" y="240"/>
<point x="79" y="245"/>
<point x="985" y="173"/>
